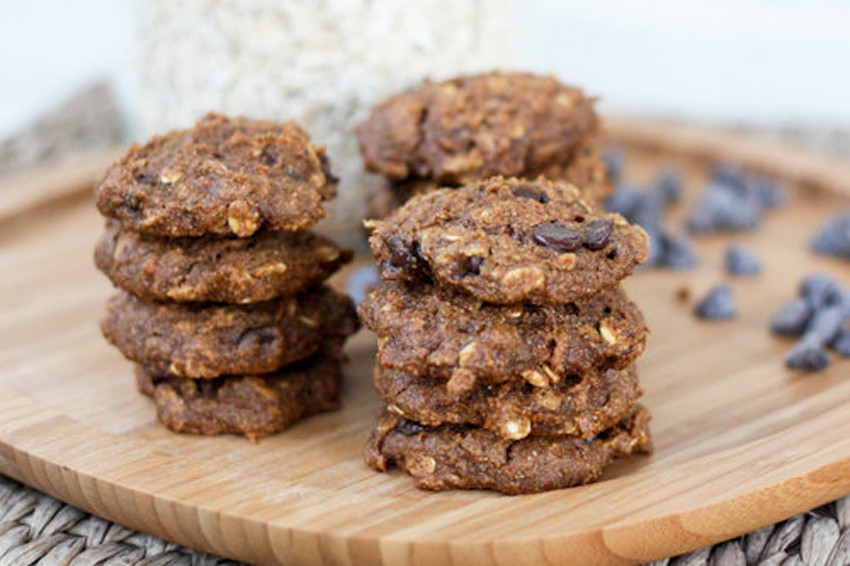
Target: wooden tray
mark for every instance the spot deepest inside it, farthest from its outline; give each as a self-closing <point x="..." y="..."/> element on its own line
<point x="741" y="442"/>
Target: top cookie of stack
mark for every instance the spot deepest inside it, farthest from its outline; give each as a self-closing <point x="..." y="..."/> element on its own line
<point x="473" y="127"/>
<point x="222" y="301"/>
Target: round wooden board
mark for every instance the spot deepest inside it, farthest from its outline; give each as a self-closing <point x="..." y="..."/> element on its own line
<point x="741" y="442"/>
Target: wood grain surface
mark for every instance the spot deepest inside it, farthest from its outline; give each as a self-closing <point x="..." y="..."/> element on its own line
<point x="741" y="442"/>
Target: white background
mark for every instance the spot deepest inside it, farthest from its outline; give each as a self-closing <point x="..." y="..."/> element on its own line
<point x="726" y="61"/>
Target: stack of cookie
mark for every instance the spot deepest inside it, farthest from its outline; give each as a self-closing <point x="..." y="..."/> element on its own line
<point x="446" y="134"/>
<point x="506" y="345"/>
<point x="222" y="303"/>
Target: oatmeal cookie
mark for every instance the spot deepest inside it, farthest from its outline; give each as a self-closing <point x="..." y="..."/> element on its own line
<point x="462" y="457"/>
<point x="509" y="240"/>
<point x="216" y="269"/>
<point x="225" y="176"/>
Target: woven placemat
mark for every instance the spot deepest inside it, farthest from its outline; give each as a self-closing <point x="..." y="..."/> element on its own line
<point x="37" y="529"/>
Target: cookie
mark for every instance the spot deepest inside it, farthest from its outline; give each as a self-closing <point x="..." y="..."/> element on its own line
<point x="215" y="269"/>
<point x="581" y="405"/>
<point x="473" y="127"/>
<point x="204" y="341"/>
<point x="462" y="457"/>
<point x="226" y="176"/>
<point x="252" y="405"/>
<point x="508" y="240"/>
<point x="586" y="171"/>
<point x="428" y="331"/>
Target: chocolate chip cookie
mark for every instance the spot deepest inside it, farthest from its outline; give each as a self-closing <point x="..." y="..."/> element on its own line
<point x="253" y="405"/>
<point x="455" y="456"/>
<point x="473" y="127"/>
<point x="509" y="240"/>
<point x="225" y="176"/>
<point x="428" y="331"/>
<point x="215" y="269"/>
<point x="581" y="405"/>
<point x="205" y="341"/>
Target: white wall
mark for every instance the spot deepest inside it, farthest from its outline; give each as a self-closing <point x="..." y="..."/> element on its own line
<point x="762" y="61"/>
<point x="733" y="60"/>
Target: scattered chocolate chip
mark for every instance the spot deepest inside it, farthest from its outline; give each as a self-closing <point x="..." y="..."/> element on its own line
<point x="729" y="174"/>
<point x="623" y="201"/>
<point x="768" y="192"/>
<point x="683" y="294"/>
<point x="826" y="323"/>
<point x="409" y="428"/>
<point x="792" y="318"/>
<point x="807" y="354"/>
<point x="819" y="290"/>
<point x="833" y="237"/>
<point x="741" y="261"/>
<point x="597" y="233"/>
<point x="557" y="236"/>
<point x="842" y="344"/>
<point x="677" y="252"/>
<point x="614" y="162"/>
<point x="722" y="208"/>
<point x="718" y="304"/>
<point x="668" y="185"/>
<point x="530" y="193"/>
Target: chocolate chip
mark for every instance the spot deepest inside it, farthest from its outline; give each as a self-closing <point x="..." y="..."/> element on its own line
<point x="718" y="304"/>
<point x="668" y="185"/>
<point x="597" y="233"/>
<point x="842" y="344"/>
<point x="819" y="290"/>
<point x="472" y="265"/>
<point x="557" y="236"/>
<point x="404" y="261"/>
<point x="614" y="162"/>
<point x="533" y="194"/>
<point x="623" y="201"/>
<point x="792" y="318"/>
<point x="677" y="252"/>
<point x="409" y="428"/>
<point x="826" y="323"/>
<point x="807" y="354"/>
<point x="741" y="261"/>
<point x="268" y="157"/>
<point x="833" y="237"/>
